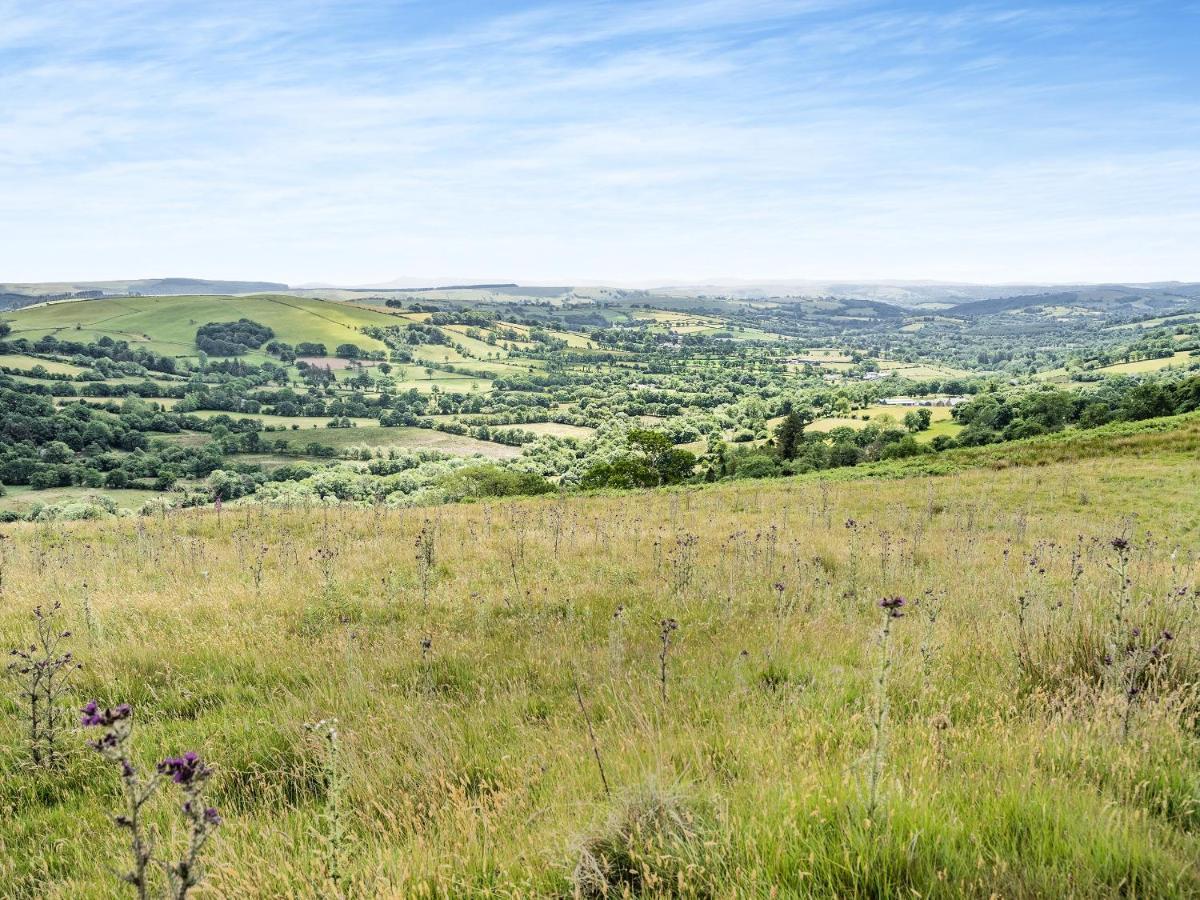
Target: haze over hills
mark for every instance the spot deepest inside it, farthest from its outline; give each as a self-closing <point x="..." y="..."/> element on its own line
<point x="950" y="298"/>
<point x="14" y="295"/>
<point x="1133" y="299"/>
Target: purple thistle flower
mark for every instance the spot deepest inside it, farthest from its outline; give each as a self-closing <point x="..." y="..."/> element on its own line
<point x="94" y="716"/>
<point x="892" y="606"/>
<point x="211" y="816"/>
<point x="1120" y="544"/>
<point x="184" y="769"/>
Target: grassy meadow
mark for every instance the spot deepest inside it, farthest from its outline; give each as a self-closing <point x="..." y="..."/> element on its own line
<point x="941" y="419"/>
<point x="168" y="324"/>
<point x="776" y="742"/>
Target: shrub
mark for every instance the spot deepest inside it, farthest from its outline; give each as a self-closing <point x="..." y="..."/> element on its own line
<point x="647" y="843"/>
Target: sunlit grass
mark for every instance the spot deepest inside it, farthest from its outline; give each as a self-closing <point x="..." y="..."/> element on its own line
<point x="468" y="766"/>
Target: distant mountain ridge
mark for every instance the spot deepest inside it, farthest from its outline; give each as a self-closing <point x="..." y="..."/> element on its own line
<point x="1109" y="299"/>
<point x="912" y="294"/>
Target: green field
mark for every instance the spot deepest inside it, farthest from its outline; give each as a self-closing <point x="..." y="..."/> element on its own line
<point x="942" y="420"/>
<point x="398" y="436"/>
<point x="1180" y="358"/>
<point x="24" y="363"/>
<point x="21" y="499"/>
<point x="168" y="324"/>
<point x="554" y="428"/>
<point x="510" y="725"/>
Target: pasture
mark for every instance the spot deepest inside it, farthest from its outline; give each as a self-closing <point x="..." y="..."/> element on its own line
<point x="688" y="693"/>
<point x="168" y="324"/>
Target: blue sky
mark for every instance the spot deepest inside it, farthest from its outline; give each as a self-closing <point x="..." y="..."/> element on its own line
<point x="630" y="142"/>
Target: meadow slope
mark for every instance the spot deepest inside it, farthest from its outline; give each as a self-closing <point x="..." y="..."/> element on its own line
<point x="1008" y="753"/>
<point x="168" y="325"/>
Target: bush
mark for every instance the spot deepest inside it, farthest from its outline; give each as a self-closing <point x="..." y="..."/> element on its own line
<point x="756" y="465"/>
<point x="232" y="338"/>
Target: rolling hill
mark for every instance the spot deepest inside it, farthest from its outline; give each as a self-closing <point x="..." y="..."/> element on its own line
<point x="168" y="324"/>
<point x="16" y="295"/>
<point x="1111" y="301"/>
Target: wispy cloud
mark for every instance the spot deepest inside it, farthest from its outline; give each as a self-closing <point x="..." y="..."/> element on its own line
<point x="356" y="141"/>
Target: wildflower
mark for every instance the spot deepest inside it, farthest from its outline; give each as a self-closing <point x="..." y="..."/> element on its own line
<point x="892" y="606"/>
<point x="1120" y="544"/>
<point x="94" y="716"/>
<point x="184" y="769"/>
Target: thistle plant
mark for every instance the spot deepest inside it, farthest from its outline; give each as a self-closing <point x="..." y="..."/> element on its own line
<point x="43" y="672"/>
<point x="683" y="562"/>
<point x="616" y="637"/>
<point x="333" y="819"/>
<point x="426" y="554"/>
<point x="666" y="627"/>
<point x="188" y="772"/>
<point x="852" y="533"/>
<point x="325" y="557"/>
<point x="1120" y="568"/>
<point x="89" y="617"/>
<point x="1139" y="657"/>
<point x="931" y="607"/>
<point x="587" y="719"/>
<point x="891" y="607"/>
<point x="259" y="561"/>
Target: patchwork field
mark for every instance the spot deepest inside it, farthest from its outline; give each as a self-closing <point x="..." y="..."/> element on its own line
<point x="168" y="324"/>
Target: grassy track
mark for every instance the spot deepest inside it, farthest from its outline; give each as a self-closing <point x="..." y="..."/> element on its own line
<point x="1005" y="767"/>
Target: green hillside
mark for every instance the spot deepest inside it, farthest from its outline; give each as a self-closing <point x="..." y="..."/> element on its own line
<point x="168" y="324"/>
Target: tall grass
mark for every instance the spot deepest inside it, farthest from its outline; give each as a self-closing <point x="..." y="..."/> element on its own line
<point x="735" y="750"/>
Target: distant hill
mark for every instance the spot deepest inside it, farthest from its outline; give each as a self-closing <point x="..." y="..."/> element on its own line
<point x="1108" y="300"/>
<point x="926" y="295"/>
<point x="17" y="295"/>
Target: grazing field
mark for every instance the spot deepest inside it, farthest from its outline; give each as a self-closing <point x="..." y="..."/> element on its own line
<point x="399" y="436"/>
<point x="23" y="499"/>
<point x="557" y="429"/>
<point x="21" y="362"/>
<point x="168" y="324"/>
<point x="942" y="421"/>
<point x="1180" y="358"/>
<point x="690" y="693"/>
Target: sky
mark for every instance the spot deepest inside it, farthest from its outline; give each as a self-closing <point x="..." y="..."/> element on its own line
<point x="619" y="141"/>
